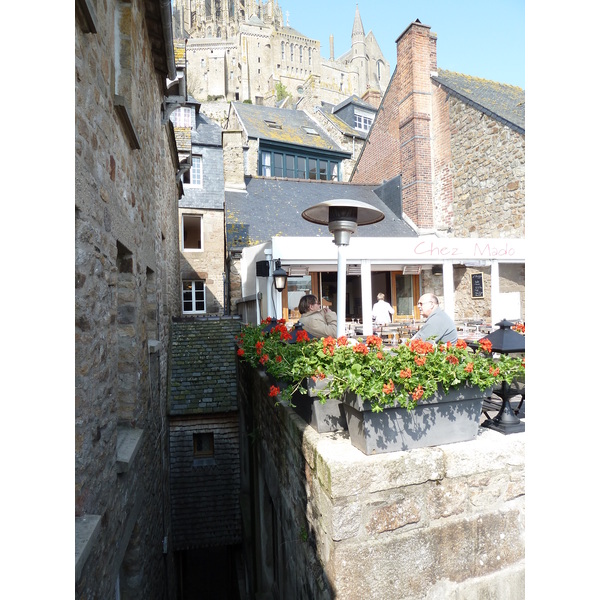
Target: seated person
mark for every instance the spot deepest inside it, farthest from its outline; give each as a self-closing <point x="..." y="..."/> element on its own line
<point x="317" y="321"/>
<point x="438" y="326"/>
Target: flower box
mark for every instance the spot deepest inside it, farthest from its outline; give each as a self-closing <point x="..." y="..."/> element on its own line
<point x="321" y="416"/>
<point x="443" y="418"/>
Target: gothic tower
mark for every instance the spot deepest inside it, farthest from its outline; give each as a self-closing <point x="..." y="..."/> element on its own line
<point x="359" y="53"/>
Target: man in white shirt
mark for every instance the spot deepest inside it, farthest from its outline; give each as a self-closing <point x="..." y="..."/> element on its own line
<point x="382" y="311"/>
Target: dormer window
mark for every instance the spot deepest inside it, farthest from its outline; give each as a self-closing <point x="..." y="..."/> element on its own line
<point x="362" y="122"/>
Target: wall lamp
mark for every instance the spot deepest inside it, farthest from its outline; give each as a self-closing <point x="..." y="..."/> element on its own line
<point x="280" y="276"/>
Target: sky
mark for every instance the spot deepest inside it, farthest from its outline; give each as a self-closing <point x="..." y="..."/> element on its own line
<point x="481" y="38"/>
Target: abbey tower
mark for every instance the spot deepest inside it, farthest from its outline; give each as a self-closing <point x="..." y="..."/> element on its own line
<point x="246" y="50"/>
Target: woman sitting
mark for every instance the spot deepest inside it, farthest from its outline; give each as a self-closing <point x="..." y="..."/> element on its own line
<point x="317" y="321"/>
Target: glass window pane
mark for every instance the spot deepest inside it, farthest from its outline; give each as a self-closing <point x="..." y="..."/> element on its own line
<point x="295" y="289"/>
<point x="277" y="165"/>
<point x="323" y="169"/>
<point x="196" y="171"/>
<point x="289" y="166"/>
<point x="265" y="164"/>
<point x="404" y="295"/>
<point x="334" y="171"/>
<point x="312" y="168"/>
<point x="301" y="172"/>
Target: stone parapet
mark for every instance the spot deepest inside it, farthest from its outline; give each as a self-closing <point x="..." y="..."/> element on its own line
<point x="440" y="522"/>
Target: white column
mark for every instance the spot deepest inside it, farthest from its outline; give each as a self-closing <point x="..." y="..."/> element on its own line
<point x="256" y="290"/>
<point x="448" y="283"/>
<point x="341" y="291"/>
<point x="269" y="286"/>
<point x="366" y="294"/>
<point x="495" y="293"/>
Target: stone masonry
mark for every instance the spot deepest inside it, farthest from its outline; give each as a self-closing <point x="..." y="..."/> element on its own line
<point x="126" y="273"/>
<point x="438" y="523"/>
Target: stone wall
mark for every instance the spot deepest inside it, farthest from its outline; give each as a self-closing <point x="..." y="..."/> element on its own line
<point x="126" y="274"/>
<point x="207" y="265"/>
<point x="330" y="522"/>
<point x="494" y="155"/>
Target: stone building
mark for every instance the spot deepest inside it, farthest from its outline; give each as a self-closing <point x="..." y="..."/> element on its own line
<point x="203" y="285"/>
<point x="244" y="50"/>
<point x="126" y="274"/>
<point x="459" y="144"/>
<point x="281" y="142"/>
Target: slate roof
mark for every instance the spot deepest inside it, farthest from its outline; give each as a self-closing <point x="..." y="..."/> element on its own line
<point x="207" y="132"/>
<point x="329" y="112"/>
<point x="253" y="117"/>
<point x="499" y="100"/>
<point x="273" y="207"/>
<point x="342" y="126"/>
<point x="354" y="99"/>
<point x="195" y="343"/>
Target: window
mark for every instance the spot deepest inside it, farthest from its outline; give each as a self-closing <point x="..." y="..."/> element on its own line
<point x="300" y="56"/>
<point x="310" y="56"/>
<point x="204" y="445"/>
<point x="191" y="227"/>
<point x="290" y="171"/>
<point x="334" y="172"/>
<point x="277" y="165"/>
<point x="193" y="176"/>
<point x="291" y="52"/>
<point x="282" y="164"/>
<point x="265" y="164"/>
<point x="362" y="122"/>
<point x="192" y="297"/>
<point x="182" y="117"/>
<point x="282" y="51"/>
<point x="301" y="171"/>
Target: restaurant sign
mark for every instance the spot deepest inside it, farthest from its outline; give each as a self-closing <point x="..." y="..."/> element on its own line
<point x="424" y="249"/>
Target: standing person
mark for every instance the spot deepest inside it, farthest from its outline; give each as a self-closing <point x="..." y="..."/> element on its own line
<point x="438" y="327"/>
<point x="382" y="311"/>
<point x="317" y="321"/>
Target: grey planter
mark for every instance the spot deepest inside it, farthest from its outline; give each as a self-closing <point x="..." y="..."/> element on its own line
<point x="322" y="417"/>
<point x="441" y="419"/>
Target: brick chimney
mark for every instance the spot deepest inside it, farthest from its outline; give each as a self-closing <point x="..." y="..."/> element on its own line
<point x="417" y="59"/>
<point x="233" y="160"/>
<point x="400" y="140"/>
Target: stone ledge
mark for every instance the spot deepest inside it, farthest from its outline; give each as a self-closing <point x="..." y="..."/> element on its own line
<point x="87" y="529"/>
<point x="349" y="471"/>
<point x="128" y="443"/>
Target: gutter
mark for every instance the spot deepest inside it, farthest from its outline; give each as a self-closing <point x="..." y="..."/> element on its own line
<point x="166" y="18"/>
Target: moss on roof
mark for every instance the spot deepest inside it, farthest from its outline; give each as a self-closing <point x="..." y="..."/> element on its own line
<point x="503" y="101"/>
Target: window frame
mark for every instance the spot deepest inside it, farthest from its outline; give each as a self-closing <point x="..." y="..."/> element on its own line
<point x="200" y="217"/>
<point x="194" y="283"/>
<point x="278" y="162"/>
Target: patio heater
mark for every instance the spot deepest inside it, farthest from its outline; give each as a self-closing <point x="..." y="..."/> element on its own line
<point x="505" y="340"/>
<point x="342" y="217"/>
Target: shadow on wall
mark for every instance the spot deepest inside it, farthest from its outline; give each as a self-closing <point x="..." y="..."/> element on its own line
<point x="206" y="290"/>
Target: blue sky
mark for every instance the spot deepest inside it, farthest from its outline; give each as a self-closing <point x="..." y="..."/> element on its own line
<point x="481" y="38"/>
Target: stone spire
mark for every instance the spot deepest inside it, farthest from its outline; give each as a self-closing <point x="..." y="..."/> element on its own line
<point x="358" y="31"/>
